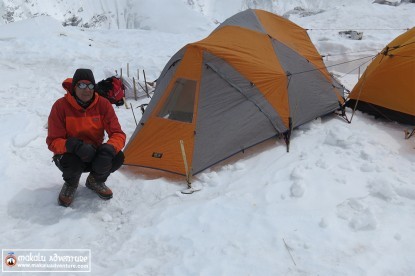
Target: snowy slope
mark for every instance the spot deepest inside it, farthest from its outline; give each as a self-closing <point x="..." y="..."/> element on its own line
<point x="108" y="14"/>
<point x="341" y="202"/>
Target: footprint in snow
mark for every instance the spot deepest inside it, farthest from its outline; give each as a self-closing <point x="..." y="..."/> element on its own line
<point x="298" y="173"/>
<point x="367" y="167"/>
<point x="383" y="189"/>
<point x="359" y="216"/>
<point x="322" y="164"/>
<point x="297" y="189"/>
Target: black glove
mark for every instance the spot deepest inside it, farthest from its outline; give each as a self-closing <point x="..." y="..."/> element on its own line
<point x="83" y="150"/>
<point x="103" y="159"/>
<point x="72" y="144"/>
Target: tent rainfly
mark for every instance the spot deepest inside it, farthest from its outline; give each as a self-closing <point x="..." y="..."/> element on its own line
<point x="387" y="88"/>
<point x="256" y="76"/>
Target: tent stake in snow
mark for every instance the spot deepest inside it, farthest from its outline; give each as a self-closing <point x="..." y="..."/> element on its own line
<point x="135" y="89"/>
<point x="409" y="134"/>
<point x="189" y="189"/>
<point x="132" y="110"/>
<point x="144" y="89"/>
<point x="124" y="99"/>
<point x="145" y="83"/>
<point x="148" y="96"/>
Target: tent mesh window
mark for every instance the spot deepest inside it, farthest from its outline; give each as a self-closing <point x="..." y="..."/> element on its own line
<point x="180" y="103"/>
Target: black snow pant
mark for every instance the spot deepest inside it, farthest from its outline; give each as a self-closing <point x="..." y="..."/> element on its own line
<point x="72" y="167"/>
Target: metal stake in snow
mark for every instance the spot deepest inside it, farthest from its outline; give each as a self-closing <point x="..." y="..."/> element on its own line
<point x="288" y="249"/>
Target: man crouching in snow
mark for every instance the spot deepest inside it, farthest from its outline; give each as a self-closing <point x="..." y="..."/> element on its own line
<point x="76" y="128"/>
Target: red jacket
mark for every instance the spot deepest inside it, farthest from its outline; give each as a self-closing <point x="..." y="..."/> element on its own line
<point x="68" y="119"/>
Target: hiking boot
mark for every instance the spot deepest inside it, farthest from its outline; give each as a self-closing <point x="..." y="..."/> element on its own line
<point x="67" y="194"/>
<point x="98" y="187"/>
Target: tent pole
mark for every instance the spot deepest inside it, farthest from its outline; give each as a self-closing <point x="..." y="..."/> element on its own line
<point x="186" y="167"/>
<point x="358" y="97"/>
<point x="190" y="189"/>
<point x="287" y="134"/>
<point x="343" y="113"/>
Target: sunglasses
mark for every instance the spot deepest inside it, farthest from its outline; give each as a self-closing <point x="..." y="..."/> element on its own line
<point x="83" y="85"/>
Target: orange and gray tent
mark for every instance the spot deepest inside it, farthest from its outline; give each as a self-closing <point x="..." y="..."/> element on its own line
<point x="387" y="88"/>
<point x="256" y="76"/>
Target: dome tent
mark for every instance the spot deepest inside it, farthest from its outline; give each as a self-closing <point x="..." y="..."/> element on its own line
<point x="256" y="76"/>
<point x="387" y="87"/>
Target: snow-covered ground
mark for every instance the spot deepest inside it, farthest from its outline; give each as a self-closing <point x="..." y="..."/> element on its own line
<point x="341" y="202"/>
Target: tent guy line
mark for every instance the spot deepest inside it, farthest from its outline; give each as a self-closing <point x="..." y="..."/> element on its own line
<point x="360" y="29"/>
<point x="333" y="65"/>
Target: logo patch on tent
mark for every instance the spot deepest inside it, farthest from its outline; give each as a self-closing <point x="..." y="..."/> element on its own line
<point x="157" y="155"/>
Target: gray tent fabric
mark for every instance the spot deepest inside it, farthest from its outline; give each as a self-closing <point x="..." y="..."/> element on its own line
<point x="245" y="87"/>
<point x="246" y="19"/>
<point x="227" y="122"/>
<point x="306" y="87"/>
<point x="172" y="62"/>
